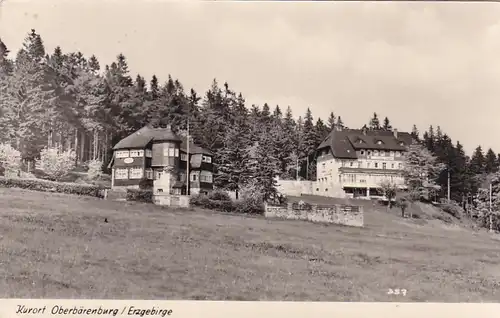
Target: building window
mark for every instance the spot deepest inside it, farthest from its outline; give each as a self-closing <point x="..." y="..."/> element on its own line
<point x="184" y="157"/>
<point x="376" y="164"/>
<point x="135" y="173"/>
<point x="170" y="150"/>
<point x="384" y="165"/>
<point x="207" y="159"/>
<point x="324" y="165"/>
<point x="351" y="164"/>
<point x="369" y="153"/>
<point x="121" y="174"/>
<point x="360" y="164"/>
<point x="149" y="153"/>
<point x="368" y="165"/>
<point x="375" y="152"/>
<point x="137" y="153"/>
<point x="362" y="152"/>
<point x="122" y="154"/>
<point x="400" y="166"/>
<point x="206" y="177"/>
<point x="392" y="154"/>
<point x="193" y="177"/>
<point x="149" y="174"/>
<point x="392" y="166"/>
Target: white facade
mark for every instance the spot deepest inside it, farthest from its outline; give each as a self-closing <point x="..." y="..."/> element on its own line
<point x="343" y="177"/>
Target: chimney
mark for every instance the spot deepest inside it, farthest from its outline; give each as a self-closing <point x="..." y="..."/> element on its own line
<point x="395" y="131"/>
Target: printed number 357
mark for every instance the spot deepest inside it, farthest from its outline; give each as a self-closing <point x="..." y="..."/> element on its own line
<point x="396" y="291"/>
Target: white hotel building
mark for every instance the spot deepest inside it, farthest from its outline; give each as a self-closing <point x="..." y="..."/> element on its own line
<point x="354" y="162"/>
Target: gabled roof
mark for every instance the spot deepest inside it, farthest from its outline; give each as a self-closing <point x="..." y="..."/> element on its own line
<point x="145" y="135"/>
<point x="344" y="143"/>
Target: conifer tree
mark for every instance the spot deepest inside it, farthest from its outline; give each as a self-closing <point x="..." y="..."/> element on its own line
<point x="340" y="123"/>
<point x="321" y="130"/>
<point x="415" y="133"/>
<point x="491" y="164"/>
<point x="374" y="122"/>
<point x="266" y="165"/>
<point x="387" y="125"/>
<point x="477" y="163"/>
<point x="331" y="121"/>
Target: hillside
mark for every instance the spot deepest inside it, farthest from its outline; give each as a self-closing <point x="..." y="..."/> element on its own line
<point x="422" y="213"/>
<point x="59" y="246"/>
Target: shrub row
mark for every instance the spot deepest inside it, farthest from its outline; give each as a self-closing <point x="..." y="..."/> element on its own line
<point x="140" y="195"/>
<point x="52" y="186"/>
<point x="223" y="203"/>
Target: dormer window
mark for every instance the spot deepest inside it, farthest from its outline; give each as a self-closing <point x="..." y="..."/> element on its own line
<point x="401" y="143"/>
<point x="379" y="142"/>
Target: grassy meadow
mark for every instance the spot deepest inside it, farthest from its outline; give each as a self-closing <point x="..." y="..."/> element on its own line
<point x="59" y="246"/>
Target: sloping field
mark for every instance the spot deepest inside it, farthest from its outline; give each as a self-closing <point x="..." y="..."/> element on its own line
<point x="59" y="246"/>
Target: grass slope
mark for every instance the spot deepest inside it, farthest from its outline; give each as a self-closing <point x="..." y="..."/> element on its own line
<point x="58" y="246"/>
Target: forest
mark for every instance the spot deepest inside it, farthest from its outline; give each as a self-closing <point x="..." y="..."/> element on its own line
<point x="70" y="101"/>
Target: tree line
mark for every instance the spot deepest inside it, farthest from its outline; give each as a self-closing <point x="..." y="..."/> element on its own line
<point x="70" y="101"/>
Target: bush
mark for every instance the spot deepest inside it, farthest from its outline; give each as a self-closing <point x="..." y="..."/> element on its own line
<point x="10" y="161"/>
<point x="140" y="195"/>
<point x="206" y="202"/>
<point x="145" y="184"/>
<point x="56" y="164"/>
<point x="453" y="209"/>
<point x="94" y="171"/>
<point x="250" y="206"/>
<point x="219" y="195"/>
<point x="250" y="203"/>
<point x="52" y="186"/>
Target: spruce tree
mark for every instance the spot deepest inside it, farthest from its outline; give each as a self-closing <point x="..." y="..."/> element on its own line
<point x="415" y="133"/>
<point x="374" y="123"/>
<point x="387" y="125"/>
<point x="331" y="121"/>
<point x="340" y="123"/>
<point x="266" y="165"/>
<point x="491" y="164"/>
<point x="477" y="163"/>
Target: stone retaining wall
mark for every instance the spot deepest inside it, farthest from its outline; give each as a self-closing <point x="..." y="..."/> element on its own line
<point x="181" y="201"/>
<point x="337" y="214"/>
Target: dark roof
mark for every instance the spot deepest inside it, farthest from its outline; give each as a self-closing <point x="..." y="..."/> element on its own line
<point x="193" y="148"/>
<point x="344" y="143"/>
<point x="144" y="136"/>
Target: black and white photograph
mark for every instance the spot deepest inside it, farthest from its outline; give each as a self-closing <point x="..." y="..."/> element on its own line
<point x="250" y="150"/>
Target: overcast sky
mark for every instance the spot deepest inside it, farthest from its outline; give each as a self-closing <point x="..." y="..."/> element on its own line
<point x="417" y="63"/>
